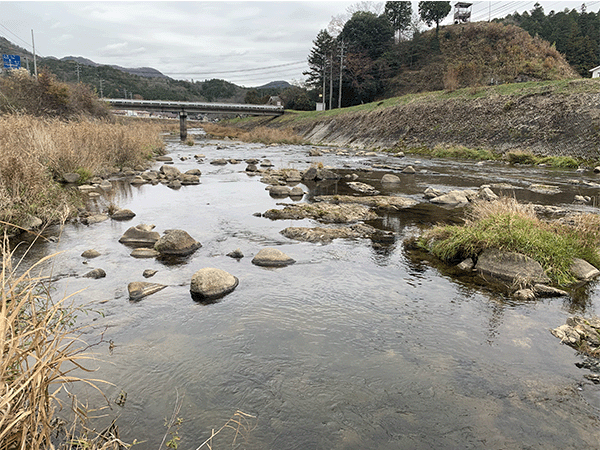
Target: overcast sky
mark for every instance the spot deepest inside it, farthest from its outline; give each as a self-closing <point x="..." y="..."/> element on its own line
<point x="247" y="43"/>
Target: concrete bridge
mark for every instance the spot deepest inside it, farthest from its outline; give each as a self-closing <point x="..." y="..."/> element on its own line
<point x="183" y="108"/>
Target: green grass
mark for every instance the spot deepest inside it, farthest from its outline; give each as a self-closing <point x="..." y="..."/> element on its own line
<point x="505" y="226"/>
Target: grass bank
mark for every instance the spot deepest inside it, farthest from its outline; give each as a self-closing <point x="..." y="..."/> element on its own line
<point x="37" y="151"/>
<point x="508" y="225"/>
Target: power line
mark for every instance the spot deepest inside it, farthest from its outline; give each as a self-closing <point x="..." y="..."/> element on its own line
<point x="240" y="70"/>
<point x="25" y="42"/>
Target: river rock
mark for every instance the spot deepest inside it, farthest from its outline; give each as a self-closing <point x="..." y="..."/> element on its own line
<point x="314" y="152"/>
<point x="455" y="197"/>
<point x="123" y="214"/>
<point x="409" y="170"/>
<point x="325" y="235"/>
<point x="279" y="191"/>
<point x="487" y="194"/>
<point x="148" y="273"/>
<point x="543" y="290"/>
<point x="323" y="212"/>
<point x="91" y="253"/>
<point x="95" y="274"/>
<point x="164" y="158"/>
<point x="363" y="188"/>
<point x="430" y="193"/>
<point x="237" y="254"/>
<point x="151" y="175"/>
<point x="510" y="267"/>
<point x="141" y="289"/>
<point x="266" y="163"/>
<point x="296" y="193"/>
<point x="251" y="168"/>
<point x="144" y="253"/>
<point x="174" y="184"/>
<point x="31" y="222"/>
<point x="94" y="218"/>
<point x="141" y="235"/>
<point x="390" y="178"/>
<point x="219" y="162"/>
<point x="292" y="176"/>
<point x="524" y="294"/>
<point x="210" y="284"/>
<point x="378" y="202"/>
<point x="583" y="270"/>
<point x="189" y="179"/>
<point x="466" y="265"/>
<point x="170" y="172"/>
<point x="544" y="189"/>
<point x="71" y="177"/>
<point x="272" y="257"/>
<point x="176" y="243"/>
<point x="196" y="172"/>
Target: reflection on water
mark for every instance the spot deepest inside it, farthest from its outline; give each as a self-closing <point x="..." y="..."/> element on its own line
<point x="360" y="344"/>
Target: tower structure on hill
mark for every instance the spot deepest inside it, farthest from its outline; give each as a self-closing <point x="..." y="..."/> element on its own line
<point x="462" y="12"/>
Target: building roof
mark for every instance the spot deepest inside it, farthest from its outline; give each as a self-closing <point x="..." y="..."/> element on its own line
<point x="594" y="69"/>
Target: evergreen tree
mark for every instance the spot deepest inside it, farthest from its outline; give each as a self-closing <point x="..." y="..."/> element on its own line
<point x="434" y="12"/>
<point x="399" y="14"/>
<point x="321" y="53"/>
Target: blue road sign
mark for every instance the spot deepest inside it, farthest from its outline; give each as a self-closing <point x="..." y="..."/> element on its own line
<point x="12" y="61"/>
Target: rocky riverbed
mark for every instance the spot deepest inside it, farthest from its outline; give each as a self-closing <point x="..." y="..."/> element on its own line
<point x="347" y="339"/>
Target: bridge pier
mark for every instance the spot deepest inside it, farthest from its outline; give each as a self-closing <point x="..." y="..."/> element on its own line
<point x="183" y="125"/>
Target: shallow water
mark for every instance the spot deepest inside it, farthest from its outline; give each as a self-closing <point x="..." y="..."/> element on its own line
<point x="357" y="345"/>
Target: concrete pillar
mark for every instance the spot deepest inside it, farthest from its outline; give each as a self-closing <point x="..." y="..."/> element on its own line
<point x="183" y="125"/>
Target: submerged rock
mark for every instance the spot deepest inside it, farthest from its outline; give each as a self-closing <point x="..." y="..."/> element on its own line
<point x="237" y="254"/>
<point x="210" y="284"/>
<point x="363" y="188"/>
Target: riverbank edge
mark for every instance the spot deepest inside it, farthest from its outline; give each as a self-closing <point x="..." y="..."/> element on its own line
<point x="559" y="118"/>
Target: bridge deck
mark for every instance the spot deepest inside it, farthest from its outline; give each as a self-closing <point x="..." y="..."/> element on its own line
<point x="198" y="107"/>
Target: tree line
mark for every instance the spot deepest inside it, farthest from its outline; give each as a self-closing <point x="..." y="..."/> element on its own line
<point x="354" y="63"/>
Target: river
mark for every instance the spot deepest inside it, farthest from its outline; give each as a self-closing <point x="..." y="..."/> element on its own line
<point x="358" y="345"/>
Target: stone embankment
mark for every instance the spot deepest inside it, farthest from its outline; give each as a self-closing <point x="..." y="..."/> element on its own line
<point x="544" y="123"/>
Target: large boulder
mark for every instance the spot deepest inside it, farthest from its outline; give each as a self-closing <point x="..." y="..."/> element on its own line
<point x="176" y="243"/>
<point x="510" y="267"/>
<point x="455" y="197"/>
<point x="210" y="284"/>
<point x="140" y="235"/>
<point x="324" y="235"/>
<point x="271" y="257"/>
<point x="378" y="202"/>
<point x="390" y="178"/>
<point x="279" y="191"/>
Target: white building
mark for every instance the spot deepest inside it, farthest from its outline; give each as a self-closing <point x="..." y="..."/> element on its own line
<point x="595" y="72"/>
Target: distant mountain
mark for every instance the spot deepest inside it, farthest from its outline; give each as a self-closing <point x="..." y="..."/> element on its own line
<point x="80" y="60"/>
<point x="113" y="81"/>
<point x="275" y="85"/>
<point x="148" y="72"/>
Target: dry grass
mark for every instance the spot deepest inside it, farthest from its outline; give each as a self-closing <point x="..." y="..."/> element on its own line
<point x="36" y="152"/>
<point x="263" y="135"/>
<point x="40" y="350"/>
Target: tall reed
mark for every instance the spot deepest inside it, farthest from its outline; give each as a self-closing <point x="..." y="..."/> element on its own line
<point x="40" y="350"/>
<point x="35" y="152"/>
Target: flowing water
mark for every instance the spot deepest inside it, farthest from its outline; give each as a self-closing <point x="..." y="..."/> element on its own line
<point x="358" y="345"/>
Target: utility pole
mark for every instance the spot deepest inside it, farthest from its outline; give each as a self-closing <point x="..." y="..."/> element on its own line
<point x="34" y="60"/>
<point x="27" y="63"/>
<point x="330" y="81"/>
<point x="324" y="104"/>
<point x="341" y="71"/>
<point x="78" y="72"/>
<point x="101" y="93"/>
